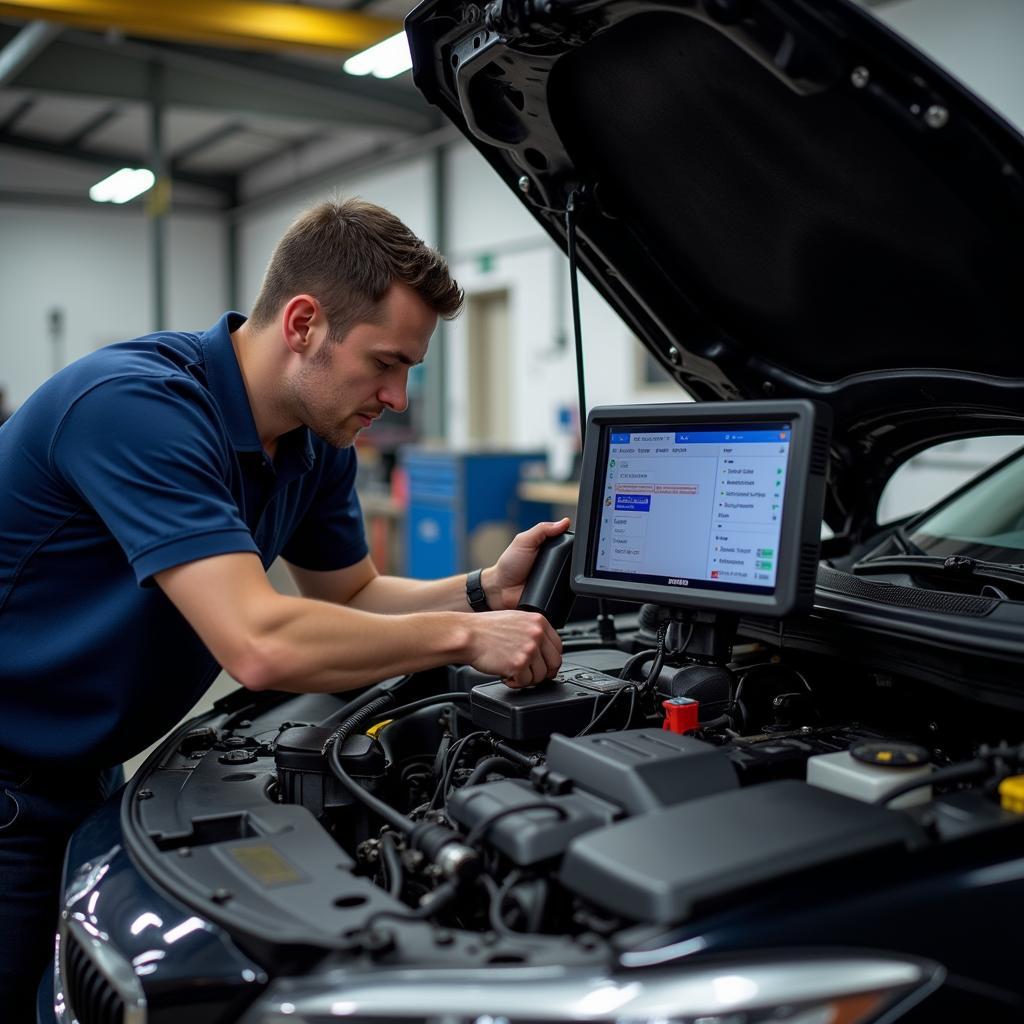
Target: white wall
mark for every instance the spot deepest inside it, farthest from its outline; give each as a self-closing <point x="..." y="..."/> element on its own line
<point x="94" y="265"/>
<point x="405" y="189"/>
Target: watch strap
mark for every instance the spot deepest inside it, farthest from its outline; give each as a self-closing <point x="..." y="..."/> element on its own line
<point x="475" y="592"/>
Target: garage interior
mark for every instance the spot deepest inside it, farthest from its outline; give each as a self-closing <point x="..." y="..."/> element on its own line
<point x="244" y="122"/>
<point x="241" y="114"/>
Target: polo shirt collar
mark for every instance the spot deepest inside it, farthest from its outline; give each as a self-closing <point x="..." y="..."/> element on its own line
<point x="224" y="379"/>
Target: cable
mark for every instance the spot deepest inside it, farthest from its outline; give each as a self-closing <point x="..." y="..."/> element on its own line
<point x="394" y="873"/>
<point x="450" y="763"/>
<point x="456" y="697"/>
<point x="604" y="711"/>
<point x="488" y="765"/>
<point x="433" y="903"/>
<point x="498" y="896"/>
<point x="991" y="761"/>
<point x="638" y="659"/>
<point x="976" y="769"/>
<point x="479" y="830"/>
<point x="574" y="291"/>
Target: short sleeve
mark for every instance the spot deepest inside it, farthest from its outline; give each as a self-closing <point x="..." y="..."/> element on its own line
<point x="149" y="456"/>
<point x="330" y="535"/>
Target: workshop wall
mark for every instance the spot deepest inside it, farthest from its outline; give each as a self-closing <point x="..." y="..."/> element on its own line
<point x="405" y="189"/>
<point x="72" y="280"/>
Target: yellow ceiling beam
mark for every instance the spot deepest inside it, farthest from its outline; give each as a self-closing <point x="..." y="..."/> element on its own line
<point x="242" y="24"/>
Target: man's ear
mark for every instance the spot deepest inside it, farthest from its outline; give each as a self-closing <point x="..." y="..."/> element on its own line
<point x="301" y="316"/>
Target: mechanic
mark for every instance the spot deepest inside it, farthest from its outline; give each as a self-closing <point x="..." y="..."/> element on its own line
<point x="148" y="487"/>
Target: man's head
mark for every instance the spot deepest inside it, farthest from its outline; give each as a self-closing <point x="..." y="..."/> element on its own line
<point x="356" y="296"/>
<point x="347" y="255"/>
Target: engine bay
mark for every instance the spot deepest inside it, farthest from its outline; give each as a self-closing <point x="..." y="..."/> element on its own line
<point x="674" y="774"/>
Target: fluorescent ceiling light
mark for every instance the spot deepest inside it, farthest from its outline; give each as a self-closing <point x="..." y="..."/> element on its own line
<point x="122" y="185"/>
<point x="384" y="60"/>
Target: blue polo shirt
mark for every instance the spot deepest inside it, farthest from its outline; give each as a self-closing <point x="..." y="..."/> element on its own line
<point x="139" y="457"/>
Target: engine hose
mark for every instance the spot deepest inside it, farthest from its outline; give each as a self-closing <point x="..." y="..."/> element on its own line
<point x="442" y="845"/>
<point x="355" y="720"/>
<point x="488" y="765"/>
<point x="456" y="697"/>
<point x="398" y="821"/>
<point x="392" y="865"/>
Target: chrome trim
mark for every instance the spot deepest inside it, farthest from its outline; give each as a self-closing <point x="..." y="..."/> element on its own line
<point x="559" y="994"/>
<point x="111" y="965"/>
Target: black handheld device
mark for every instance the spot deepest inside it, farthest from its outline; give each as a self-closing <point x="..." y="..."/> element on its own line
<point x="547" y="589"/>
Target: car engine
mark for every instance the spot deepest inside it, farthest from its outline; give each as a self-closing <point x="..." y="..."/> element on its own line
<point x="674" y="772"/>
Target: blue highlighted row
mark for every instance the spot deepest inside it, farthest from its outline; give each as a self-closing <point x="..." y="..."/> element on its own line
<point x="721" y="437"/>
<point x="632" y="503"/>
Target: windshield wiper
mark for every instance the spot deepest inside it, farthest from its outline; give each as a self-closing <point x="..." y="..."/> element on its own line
<point x="959" y="566"/>
<point x="904" y="541"/>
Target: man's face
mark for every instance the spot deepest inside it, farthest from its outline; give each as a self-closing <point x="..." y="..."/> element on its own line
<point x="344" y="386"/>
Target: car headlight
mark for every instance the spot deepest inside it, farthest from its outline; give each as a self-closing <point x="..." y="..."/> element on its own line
<point x="822" y="990"/>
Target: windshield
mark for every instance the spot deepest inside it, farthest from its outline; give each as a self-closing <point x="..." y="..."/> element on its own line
<point x="985" y="521"/>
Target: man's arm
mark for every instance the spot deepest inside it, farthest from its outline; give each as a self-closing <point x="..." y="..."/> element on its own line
<point x="268" y="640"/>
<point x="360" y="586"/>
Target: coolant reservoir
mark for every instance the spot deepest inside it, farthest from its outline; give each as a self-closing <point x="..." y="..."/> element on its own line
<point x="868" y="771"/>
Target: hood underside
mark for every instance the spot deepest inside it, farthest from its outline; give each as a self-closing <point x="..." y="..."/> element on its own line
<point x="780" y="198"/>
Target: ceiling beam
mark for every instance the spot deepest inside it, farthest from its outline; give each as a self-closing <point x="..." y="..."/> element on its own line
<point x="251" y="24"/>
<point x="223" y="184"/>
<point x="93" y="66"/>
<point x="94" y="124"/>
<point x="27" y="197"/>
<point x="7" y="123"/>
<point x="205" y="141"/>
<point x="24" y="47"/>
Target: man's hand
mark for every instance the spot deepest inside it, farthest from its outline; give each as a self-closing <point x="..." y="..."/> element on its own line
<point x="520" y="647"/>
<point x="503" y="582"/>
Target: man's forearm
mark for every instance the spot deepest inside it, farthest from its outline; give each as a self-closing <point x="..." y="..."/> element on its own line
<point x="313" y="646"/>
<point x="392" y="595"/>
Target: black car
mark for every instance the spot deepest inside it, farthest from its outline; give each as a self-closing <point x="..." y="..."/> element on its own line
<point x="785" y="202"/>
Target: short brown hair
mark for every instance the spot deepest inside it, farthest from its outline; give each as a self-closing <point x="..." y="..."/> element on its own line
<point x="347" y="254"/>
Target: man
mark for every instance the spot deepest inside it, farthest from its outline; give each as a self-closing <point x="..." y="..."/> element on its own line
<point x="150" y="484"/>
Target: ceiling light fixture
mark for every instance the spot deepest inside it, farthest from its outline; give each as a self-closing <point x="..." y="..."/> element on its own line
<point x="385" y="59"/>
<point x="122" y="185"/>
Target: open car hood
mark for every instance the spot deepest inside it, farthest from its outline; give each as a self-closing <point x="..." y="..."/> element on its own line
<point x="781" y="198"/>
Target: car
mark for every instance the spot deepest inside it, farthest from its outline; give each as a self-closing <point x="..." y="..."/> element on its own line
<point x="787" y="204"/>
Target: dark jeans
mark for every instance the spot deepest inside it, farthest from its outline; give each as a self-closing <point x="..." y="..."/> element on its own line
<point x="38" y="812"/>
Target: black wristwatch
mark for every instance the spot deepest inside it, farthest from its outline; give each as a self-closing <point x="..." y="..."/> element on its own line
<point x="475" y="592"/>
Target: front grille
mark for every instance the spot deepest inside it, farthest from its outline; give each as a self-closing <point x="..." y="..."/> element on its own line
<point x="100" y="987"/>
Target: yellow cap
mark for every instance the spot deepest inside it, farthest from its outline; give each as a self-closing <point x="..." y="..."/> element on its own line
<point x="375" y="730"/>
<point x="1011" y="794"/>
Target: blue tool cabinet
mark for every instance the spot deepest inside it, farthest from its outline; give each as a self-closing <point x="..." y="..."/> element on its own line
<point x="452" y="495"/>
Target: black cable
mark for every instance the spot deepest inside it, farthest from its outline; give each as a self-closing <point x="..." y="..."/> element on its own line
<point x="395" y="819"/>
<point x="456" y="697"/>
<point x="435" y="902"/>
<point x="498" y="895"/>
<point x="449" y="764"/>
<point x="637" y="659"/>
<point x="976" y="769"/>
<point x="351" y="724"/>
<point x="488" y="765"/>
<point x="369" y="694"/>
<point x="479" y="830"/>
<point x="604" y="711"/>
<point x="574" y="291"/>
<point x="393" y="871"/>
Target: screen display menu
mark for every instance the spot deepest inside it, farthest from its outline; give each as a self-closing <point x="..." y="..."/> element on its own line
<point x="700" y="507"/>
